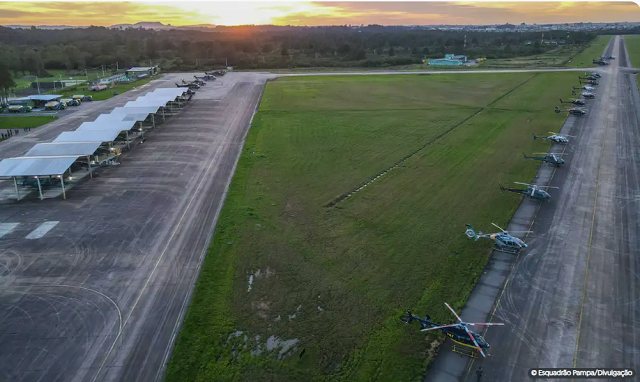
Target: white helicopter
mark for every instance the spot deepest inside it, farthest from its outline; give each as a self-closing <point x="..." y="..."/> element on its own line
<point x="555" y="137"/>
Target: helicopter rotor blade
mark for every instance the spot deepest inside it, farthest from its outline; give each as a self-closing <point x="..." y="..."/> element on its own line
<point x="439" y="327"/>
<point x="547" y="187"/>
<point x="454" y="312"/>
<point x="486" y="323"/>
<point x="526" y="184"/>
<point x="510" y="232"/>
<point x="474" y="341"/>
<point x="498" y="228"/>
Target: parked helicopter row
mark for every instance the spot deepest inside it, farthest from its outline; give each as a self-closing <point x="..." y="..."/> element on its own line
<point x="200" y="81"/>
<point x="591" y="80"/>
<point x="504" y="240"/>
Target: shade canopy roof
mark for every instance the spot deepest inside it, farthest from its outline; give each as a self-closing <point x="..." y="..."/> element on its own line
<point x="40" y="166"/>
<point x="111" y="124"/>
<point x="145" y="102"/>
<point x="109" y="118"/>
<point x="136" y="109"/>
<point x="174" y="91"/>
<point x="45" y="97"/>
<point x="88" y="136"/>
<point x="62" y="149"/>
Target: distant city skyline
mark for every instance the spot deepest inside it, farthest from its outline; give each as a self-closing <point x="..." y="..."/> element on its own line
<point x="306" y="13"/>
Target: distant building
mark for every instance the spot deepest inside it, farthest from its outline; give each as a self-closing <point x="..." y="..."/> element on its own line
<point x="449" y="60"/>
<point x="137" y="71"/>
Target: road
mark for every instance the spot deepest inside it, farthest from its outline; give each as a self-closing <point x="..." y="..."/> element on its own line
<point x="572" y="296"/>
<point x="93" y="288"/>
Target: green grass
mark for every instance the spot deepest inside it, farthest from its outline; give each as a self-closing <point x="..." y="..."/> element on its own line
<point x="26" y="121"/>
<point x="633" y="49"/>
<point x="554" y="58"/>
<point x="397" y="243"/>
<point x="585" y="58"/>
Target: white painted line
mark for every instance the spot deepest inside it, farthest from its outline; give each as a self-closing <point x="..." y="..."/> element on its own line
<point x="6" y="228"/>
<point x="42" y="230"/>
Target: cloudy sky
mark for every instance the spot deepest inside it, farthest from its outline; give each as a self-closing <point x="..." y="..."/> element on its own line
<point x="314" y="13"/>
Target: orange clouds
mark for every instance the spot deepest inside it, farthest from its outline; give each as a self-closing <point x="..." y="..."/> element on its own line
<point x="314" y="13"/>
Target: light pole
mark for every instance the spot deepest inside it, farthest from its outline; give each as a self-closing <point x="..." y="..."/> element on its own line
<point x="38" y="82"/>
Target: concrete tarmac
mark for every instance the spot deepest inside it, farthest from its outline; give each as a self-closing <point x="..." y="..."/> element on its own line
<point x="571" y="299"/>
<point x="94" y="288"/>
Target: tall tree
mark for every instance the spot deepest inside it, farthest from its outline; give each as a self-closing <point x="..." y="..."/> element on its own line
<point x="6" y="83"/>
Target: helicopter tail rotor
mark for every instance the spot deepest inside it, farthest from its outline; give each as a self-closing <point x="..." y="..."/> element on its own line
<point x="471" y="233"/>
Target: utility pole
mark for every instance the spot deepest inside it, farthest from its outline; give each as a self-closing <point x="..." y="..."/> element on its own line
<point x="226" y="63"/>
<point x="117" y="66"/>
<point x="102" y="66"/>
<point x="38" y="82"/>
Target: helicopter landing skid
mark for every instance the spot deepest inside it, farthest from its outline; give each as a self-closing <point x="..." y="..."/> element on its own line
<point x="509" y="251"/>
<point x="463" y="350"/>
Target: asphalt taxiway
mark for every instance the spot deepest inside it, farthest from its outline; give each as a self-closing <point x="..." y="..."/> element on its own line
<point x="570" y="299"/>
<point x="93" y="288"/>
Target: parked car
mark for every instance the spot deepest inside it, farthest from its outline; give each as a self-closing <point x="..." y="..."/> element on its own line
<point x="71" y="102"/>
<point x="19" y="109"/>
<point x="55" y="105"/>
<point x="83" y="97"/>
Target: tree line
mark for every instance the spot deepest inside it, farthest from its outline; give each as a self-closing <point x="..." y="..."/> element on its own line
<point x="34" y="51"/>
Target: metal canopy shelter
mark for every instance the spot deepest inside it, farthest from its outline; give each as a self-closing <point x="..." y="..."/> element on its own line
<point x="78" y="149"/>
<point x="37" y="167"/>
<point x="118" y="126"/>
<point x="101" y="136"/>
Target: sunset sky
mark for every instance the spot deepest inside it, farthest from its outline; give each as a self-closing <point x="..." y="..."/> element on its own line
<point x="313" y="13"/>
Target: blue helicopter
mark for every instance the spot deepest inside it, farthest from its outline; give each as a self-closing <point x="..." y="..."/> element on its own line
<point x="532" y="191"/>
<point x="551" y="158"/>
<point x="555" y="138"/>
<point x="459" y="333"/>
<point x="502" y="240"/>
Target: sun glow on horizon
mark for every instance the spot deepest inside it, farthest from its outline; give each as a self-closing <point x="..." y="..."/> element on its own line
<point x="313" y="13"/>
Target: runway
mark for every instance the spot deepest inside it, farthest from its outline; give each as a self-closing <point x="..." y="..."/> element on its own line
<point x="571" y="300"/>
<point x="93" y="288"/>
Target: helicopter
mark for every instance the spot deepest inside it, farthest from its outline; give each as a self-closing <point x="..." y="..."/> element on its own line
<point x="588" y="82"/>
<point x="550" y="158"/>
<point x="578" y="102"/>
<point x="588" y="95"/>
<point x="532" y="191"/>
<point x="502" y="239"/>
<point x="459" y="333"/>
<point x="593" y="74"/>
<point x="555" y="138"/>
<point x="573" y="111"/>
<point x="600" y="61"/>
<point x="585" y="87"/>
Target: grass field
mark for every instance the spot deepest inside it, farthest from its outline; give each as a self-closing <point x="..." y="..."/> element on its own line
<point x="285" y="273"/>
<point x="25" y="82"/>
<point x="633" y="50"/>
<point x="554" y="58"/>
<point x="585" y="58"/>
<point x="27" y="121"/>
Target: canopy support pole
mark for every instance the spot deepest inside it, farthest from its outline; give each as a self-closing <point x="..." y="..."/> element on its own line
<point x="142" y="129"/>
<point x="64" y="195"/>
<point x="15" y="183"/>
<point x="39" y="188"/>
<point x="153" y="120"/>
<point x="89" y="164"/>
<point x="163" y="115"/>
<point x="128" y="144"/>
